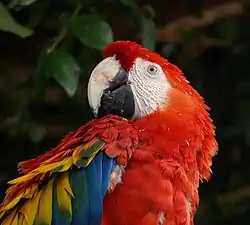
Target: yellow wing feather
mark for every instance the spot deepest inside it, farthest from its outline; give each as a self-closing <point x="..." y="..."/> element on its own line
<point x="13" y="202"/>
<point x="10" y="218"/>
<point x="64" y="193"/>
<point x="21" y="220"/>
<point x="44" y="211"/>
<point x="28" y="210"/>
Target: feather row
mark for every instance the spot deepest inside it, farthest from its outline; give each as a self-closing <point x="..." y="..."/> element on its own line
<point x="38" y="210"/>
<point x="29" y="199"/>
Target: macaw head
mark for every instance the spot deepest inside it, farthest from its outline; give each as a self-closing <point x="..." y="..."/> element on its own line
<point x="139" y="84"/>
<point x="134" y="82"/>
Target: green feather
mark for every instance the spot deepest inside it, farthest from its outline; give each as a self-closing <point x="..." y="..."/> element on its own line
<point x="86" y="155"/>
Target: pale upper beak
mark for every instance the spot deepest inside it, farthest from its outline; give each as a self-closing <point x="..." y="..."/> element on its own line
<point x="109" y="91"/>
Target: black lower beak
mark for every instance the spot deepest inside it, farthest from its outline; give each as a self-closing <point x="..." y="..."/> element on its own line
<point x="118" y="99"/>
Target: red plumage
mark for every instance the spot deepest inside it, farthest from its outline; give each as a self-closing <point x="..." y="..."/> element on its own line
<point x="176" y="148"/>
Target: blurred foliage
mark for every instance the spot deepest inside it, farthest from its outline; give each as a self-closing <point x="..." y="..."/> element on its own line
<point x="48" y="48"/>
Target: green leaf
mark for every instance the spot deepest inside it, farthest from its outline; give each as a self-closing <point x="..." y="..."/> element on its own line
<point x="61" y="66"/>
<point x="148" y="33"/>
<point x="8" y="23"/>
<point x="92" y="31"/>
<point x="21" y="3"/>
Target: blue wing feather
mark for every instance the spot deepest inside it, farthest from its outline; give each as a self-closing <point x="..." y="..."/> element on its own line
<point x="107" y="166"/>
<point x="94" y="181"/>
<point x="89" y="186"/>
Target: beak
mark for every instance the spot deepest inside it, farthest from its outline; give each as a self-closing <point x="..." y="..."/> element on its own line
<point x="109" y="91"/>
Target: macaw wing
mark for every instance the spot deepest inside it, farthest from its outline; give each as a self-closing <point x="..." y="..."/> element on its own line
<point x="66" y="185"/>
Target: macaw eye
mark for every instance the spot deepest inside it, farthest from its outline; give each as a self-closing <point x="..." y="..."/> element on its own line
<point x="152" y="70"/>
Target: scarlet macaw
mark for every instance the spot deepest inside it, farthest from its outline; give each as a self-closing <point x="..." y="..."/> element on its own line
<point x="139" y="162"/>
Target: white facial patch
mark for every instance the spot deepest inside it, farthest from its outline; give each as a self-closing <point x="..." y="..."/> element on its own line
<point x="149" y="85"/>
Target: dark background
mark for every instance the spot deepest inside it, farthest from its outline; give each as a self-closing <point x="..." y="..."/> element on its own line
<point x="48" y="48"/>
